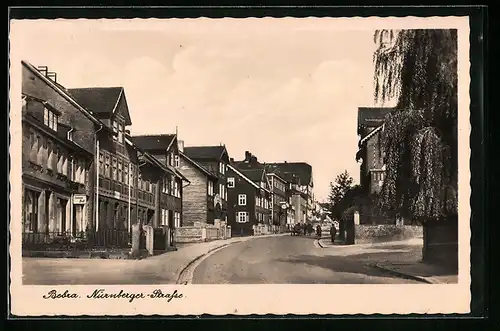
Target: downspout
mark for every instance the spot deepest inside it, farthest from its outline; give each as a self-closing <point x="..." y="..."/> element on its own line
<point x="129" y="194"/>
<point x="97" y="180"/>
<point x="71" y="202"/>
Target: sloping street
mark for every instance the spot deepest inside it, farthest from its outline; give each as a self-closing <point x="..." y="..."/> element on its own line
<point x="297" y="260"/>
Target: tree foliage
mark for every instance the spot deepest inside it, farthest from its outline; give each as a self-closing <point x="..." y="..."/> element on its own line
<point x="341" y="193"/>
<point x="419" y="68"/>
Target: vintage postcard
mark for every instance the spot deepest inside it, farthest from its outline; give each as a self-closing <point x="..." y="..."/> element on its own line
<point x="239" y="166"/>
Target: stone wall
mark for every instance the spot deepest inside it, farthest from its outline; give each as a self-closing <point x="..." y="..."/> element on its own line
<point x="201" y="232"/>
<point x="380" y="233"/>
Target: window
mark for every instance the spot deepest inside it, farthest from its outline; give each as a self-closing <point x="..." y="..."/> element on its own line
<point x="107" y="169"/>
<point x="120" y="173"/>
<point x="221" y="191"/>
<point x="230" y="182"/>
<point x="177" y="192"/>
<point x="257" y="202"/>
<point x="176" y="161"/>
<point x="171" y="159"/>
<point x="50" y="119"/>
<point x="70" y="135"/>
<point x="60" y="161"/>
<point x="164" y="217"/>
<point x="126" y="177"/>
<point x="114" y="169"/>
<point x="242" y="199"/>
<point x="210" y="188"/>
<point x="120" y="133"/>
<point x="172" y="187"/>
<point x="222" y="168"/>
<point x="115" y="130"/>
<point x="177" y="219"/>
<point x="50" y="152"/>
<point x="101" y="163"/>
<point x="242" y="217"/>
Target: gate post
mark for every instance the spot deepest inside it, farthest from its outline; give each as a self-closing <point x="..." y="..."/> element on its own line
<point x="149" y="238"/>
<point x="136" y="240"/>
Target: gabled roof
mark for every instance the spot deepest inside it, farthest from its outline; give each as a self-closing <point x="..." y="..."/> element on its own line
<point x="197" y="165"/>
<point x="102" y="101"/>
<point x="256" y="175"/>
<point x="243" y="175"/>
<point x="65" y="94"/>
<point x="293" y="172"/>
<point x="205" y="152"/>
<point x="372" y="116"/>
<point x="153" y="160"/>
<point x="154" y="142"/>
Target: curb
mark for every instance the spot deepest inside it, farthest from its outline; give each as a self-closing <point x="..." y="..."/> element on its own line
<point x="193" y="261"/>
<point x="403" y="275"/>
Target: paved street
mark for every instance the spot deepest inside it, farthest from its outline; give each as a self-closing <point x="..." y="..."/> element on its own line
<point x="249" y="260"/>
<point x="290" y="259"/>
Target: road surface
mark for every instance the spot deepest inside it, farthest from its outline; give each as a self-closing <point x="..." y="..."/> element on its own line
<point x="293" y="260"/>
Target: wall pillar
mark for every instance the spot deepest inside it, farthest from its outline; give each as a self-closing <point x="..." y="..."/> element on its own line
<point x="53" y="226"/>
<point x="149" y="238"/>
<point x="136" y="240"/>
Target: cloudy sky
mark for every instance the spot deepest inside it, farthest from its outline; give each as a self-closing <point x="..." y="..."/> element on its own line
<point x="282" y="89"/>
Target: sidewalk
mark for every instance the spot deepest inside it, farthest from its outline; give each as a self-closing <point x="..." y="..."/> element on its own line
<point x="420" y="271"/>
<point x="161" y="269"/>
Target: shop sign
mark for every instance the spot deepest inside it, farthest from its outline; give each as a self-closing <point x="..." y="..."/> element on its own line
<point x="79" y="199"/>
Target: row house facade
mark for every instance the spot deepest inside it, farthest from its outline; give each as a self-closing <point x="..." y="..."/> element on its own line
<point x="57" y="156"/>
<point x="171" y="185"/>
<point x="299" y="178"/>
<point x="282" y="211"/>
<point x="206" y="198"/>
<point x="249" y="199"/>
<point x="130" y="181"/>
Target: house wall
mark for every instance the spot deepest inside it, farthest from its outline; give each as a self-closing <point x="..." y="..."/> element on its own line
<point x="241" y="187"/>
<point x="195" y="195"/>
<point x="83" y="134"/>
<point x="374" y="162"/>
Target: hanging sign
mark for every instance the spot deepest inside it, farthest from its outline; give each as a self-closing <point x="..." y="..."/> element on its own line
<point x="79" y="199"/>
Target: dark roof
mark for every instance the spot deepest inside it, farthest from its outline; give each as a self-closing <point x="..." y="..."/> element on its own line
<point x="242" y="165"/>
<point x="254" y="175"/>
<point x="204" y="152"/>
<point x="198" y="166"/>
<point x="372" y="116"/>
<point x="153" y="142"/>
<point x="99" y="100"/>
<point x="293" y="172"/>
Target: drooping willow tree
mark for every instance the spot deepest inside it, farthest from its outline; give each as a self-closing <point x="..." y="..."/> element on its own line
<point x="419" y="69"/>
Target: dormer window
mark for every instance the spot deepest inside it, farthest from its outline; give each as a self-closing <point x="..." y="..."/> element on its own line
<point x="222" y="168"/>
<point x="70" y="135"/>
<point x="176" y="161"/>
<point x="50" y="119"/>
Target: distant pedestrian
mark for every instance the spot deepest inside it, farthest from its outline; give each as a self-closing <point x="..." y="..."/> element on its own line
<point x="318" y="231"/>
<point x="333" y="233"/>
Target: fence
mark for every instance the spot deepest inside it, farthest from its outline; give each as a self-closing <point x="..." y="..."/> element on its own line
<point x="201" y="232"/>
<point x="84" y="240"/>
<point x="109" y="239"/>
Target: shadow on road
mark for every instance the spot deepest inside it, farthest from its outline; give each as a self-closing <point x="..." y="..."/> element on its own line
<point x="356" y="263"/>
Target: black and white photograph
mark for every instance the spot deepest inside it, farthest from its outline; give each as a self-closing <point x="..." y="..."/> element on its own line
<point x="177" y="158"/>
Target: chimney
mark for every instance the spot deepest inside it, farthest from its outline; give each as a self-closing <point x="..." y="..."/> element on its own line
<point x="43" y="69"/>
<point x="127" y="133"/>
<point x="248" y="155"/>
<point x="253" y="160"/>
<point x="180" y="143"/>
<point x="231" y="160"/>
<point x="52" y="75"/>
